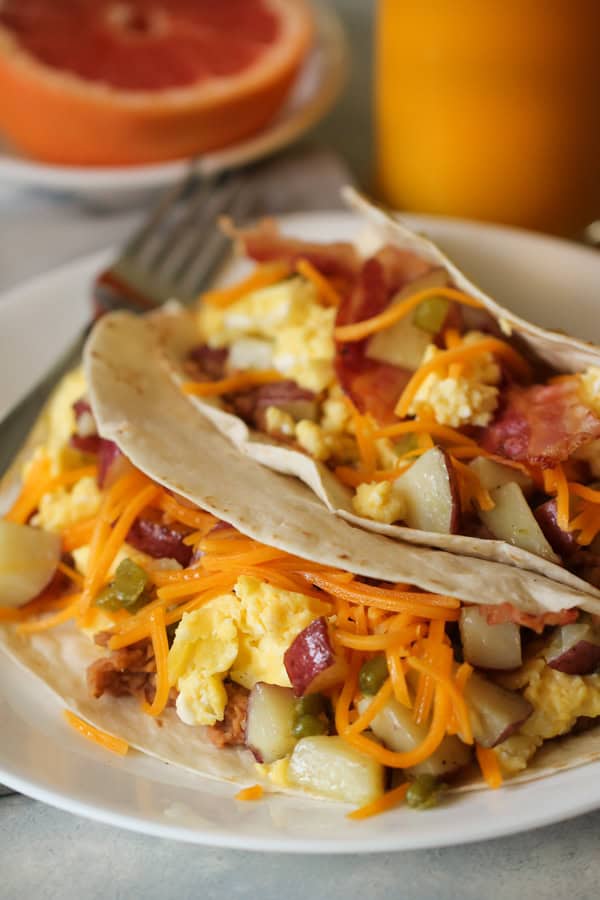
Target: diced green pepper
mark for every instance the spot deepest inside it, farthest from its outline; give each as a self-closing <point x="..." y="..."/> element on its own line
<point x="127" y="590"/>
<point x="431" y="314"/>
<point x="312" y="705"/>
<point x="308" y="725"/>
<point x="424" y="792"/>
<point x="372" y="674"/>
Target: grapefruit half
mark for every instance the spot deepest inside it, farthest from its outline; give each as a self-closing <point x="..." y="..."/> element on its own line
<point x="101" y="82"/>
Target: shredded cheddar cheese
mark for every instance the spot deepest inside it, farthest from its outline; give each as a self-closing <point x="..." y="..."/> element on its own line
<point x="249" y="794"/>
<point x="389" y="800"/>
<point x="461" y="354"/>
<point x="239" y="382"/>
<point x="261" y="277"/>
<point x="490" y="768"/>
<point x="325" y="289"/>
<point x="359" y="330"/>
<point x="107" y="741"/>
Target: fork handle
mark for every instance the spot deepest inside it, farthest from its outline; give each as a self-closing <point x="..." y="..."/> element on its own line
<point x="17" y="424"/>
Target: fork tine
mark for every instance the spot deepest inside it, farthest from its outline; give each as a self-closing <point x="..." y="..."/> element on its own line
<point x="206" y="256"/>
<point x="194" y="224"/>
<point x="151" y="225"/>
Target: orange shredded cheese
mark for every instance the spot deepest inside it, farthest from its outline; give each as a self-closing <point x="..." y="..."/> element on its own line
<point x="38" y="483"/>
<point x="555" y="482"/>
<point x="63" y="615"/>
<point x="387" y="801"/>
<point x="585" y="493"/>
<point x="454" y="691"/>
<point x="460" y="354"/>
<point x="250" y="793"/>
<point x="114" y="744"/>
<point x="160" y="646"/>
<point x="359" y="330"/>
<point x="262" y="277"/>
<point x="70" y="573"/>
<point x="420" y="426"/>
<point x="490" y="768"/>
<point x="471" y="489"/>
<point x="439" y="722"/>
<point x="78" y="534"/>
<point x="102" y="556"/>
<point x="241" y="381"/>
<point x="325" y="289"/>
<point x="375" y="706"/>
<point x="374" y="642"/>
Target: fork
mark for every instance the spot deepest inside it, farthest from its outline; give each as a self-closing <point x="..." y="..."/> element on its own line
<point x="173" y="255"/>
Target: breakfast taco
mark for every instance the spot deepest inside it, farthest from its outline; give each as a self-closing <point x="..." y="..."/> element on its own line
<point x="152" y="575"/>
<point x="404" y="396"/>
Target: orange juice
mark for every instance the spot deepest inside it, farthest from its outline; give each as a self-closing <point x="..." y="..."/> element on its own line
<point x="490" y="109"/>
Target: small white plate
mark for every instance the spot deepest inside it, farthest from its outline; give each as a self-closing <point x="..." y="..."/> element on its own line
<point x="316" y="89"/>
<point x="546" y="279"/>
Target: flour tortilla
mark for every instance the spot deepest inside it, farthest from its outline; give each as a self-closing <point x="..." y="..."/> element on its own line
<point x="177" y="329"/>
<point x="137" y="404"/>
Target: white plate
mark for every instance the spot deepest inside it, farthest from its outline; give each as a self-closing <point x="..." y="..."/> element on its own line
<point x="315" y="91"/>
<point x="554" y="282"/>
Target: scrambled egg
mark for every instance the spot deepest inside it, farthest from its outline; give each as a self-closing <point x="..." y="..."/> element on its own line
<point x="590" y="388"/>
<point x="243" y="635"/>
<point x="380" y="501"/>
<point x="468" y="397"/>
<point x="279" y="422"/>
<point x="283" y="326"/>
<point x="557" y="699"/>
<point x="64" y="507"/>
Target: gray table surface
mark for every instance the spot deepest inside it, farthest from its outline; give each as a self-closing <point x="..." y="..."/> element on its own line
<point x="47" y="854"/>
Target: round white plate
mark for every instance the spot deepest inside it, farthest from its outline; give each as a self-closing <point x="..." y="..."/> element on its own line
<point x="316" y="89"/>
<point x="546" y="279"/>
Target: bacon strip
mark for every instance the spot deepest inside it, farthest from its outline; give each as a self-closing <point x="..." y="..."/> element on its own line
<point x="506" y="612"/>
<point x="265" y="243"/>
<point x="542" y="425"/>
<point x="373" y="386"/>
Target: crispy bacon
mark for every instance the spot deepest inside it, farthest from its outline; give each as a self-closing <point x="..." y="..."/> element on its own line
<point x="159" y="541"/>
<point x="285" y="395"/>
<point x="265" y="243"/>
<point x="374" y="386"/>
<point x="542" y="425"/>
<point x="206" y="361"/>
<point x="507" y="612"/>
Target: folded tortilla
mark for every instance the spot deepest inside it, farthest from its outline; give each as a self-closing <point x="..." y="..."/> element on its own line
<point x="177" y="330"/>
<point x="137" y="404"/>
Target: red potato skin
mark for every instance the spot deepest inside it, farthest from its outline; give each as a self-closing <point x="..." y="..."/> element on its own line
<point x="310" y="662"/>
<point x="562" y="542"/>
<point x="583" y="658"/>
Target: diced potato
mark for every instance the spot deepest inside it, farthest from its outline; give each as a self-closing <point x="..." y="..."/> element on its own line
<point x="270" y="721"/>
<point x="28" y="560"/>
<point x="493" y="475"/>
<point x="396" y="727"/>
<point x="495" y="712"/>
<point x="333" y="768"/>
<point x="489" y="646"/>
<point x="512" y="520"/>
<point x="404" y="343"/>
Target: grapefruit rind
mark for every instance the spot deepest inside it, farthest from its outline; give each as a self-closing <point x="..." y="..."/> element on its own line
<point x="58" y="118"/>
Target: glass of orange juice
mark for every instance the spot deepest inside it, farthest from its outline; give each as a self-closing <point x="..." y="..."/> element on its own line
<point x="490" y="109"/>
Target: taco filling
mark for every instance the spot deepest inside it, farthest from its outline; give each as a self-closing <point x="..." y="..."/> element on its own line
<point x="437" y="416"/>
<point x="331" y="683"/>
